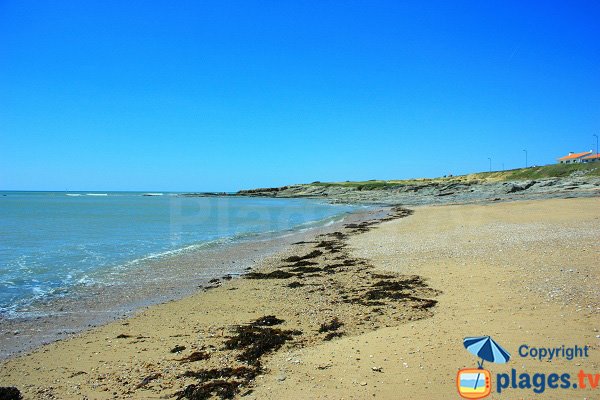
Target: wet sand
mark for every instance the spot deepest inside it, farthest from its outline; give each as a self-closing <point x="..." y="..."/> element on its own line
<point x="375" y="311"/>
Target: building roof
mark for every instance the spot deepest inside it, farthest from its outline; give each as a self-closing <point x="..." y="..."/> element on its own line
<point x="592" y="157"/>
<point x="573" y="156"/>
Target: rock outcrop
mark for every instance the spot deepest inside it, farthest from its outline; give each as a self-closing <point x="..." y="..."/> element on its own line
<point x="439" y="192"/>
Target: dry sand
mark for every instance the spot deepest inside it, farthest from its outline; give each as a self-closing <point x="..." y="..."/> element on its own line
<point x="522" y="272"/>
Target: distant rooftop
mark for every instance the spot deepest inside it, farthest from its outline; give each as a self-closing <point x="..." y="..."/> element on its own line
<point x="572" y="155"/>
<point x="592" y="157"/>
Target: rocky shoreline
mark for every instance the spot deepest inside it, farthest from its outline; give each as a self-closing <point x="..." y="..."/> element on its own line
<point x="445" y="192"/>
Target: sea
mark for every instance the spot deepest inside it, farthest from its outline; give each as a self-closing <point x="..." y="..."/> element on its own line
<point x="65" y="245"/>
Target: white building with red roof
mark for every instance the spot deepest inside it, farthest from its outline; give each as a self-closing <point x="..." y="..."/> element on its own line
<point x="591" y="158"/>
<point x="572" y="158"/>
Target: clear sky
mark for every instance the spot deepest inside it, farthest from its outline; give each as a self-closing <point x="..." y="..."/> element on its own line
<point x="198" y="95"/>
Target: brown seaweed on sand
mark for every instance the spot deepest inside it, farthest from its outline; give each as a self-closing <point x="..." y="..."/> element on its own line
<point x="123" y="336"/>
<point x="307" y="270"/>
<point x="257" y="341"/>
<point x="222" y="382"/>
<point x="394" y="289"/>
<point x="254" y="340"/>
<point x="312" y="254"/>
<point x="220" y="388"/>
<point x="249" y="343"/>
<point x="333" y="325"/>
<point x="333" y="246"/>
<point x="332" y="329"/>
<point x="10" y="393"/>
<point x="302" y="263"/>
<point x="332" y="335"/>
<point x="195" y="356"/>
<point x="337" y="235"/>
<point x="277" y="274"/>
<point x="401" y="289"/>
<point x="204" y="375"/>
<point x="267" y="320"/>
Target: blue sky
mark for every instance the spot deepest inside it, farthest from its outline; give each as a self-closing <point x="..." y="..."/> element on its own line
<point x="153" y="95"/>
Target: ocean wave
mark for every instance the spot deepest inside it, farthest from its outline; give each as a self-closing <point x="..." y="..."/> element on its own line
<point x="191" y="247"/>
<point x="239" y="237"/>
<point x="320" y="222"/>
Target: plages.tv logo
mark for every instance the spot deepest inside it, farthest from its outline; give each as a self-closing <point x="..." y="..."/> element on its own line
<point x="476" y="383"/>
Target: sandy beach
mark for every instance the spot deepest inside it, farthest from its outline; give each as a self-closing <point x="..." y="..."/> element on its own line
<point x="374" y="310"/>
<point x="293" y="200"/>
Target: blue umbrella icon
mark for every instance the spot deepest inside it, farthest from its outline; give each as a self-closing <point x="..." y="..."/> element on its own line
<point x="487" y="349"/>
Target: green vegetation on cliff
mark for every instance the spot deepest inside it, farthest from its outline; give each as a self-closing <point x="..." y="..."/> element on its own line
<point x="546" y="171"/>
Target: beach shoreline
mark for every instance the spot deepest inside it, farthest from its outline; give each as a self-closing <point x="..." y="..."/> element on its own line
<point x="155" y="281"/>
<point x="398" y="281"/>
<point x="258" y="282"/>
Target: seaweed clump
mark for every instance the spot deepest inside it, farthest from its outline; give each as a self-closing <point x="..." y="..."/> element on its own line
<point x="306" y="270"/>
<point x="256" y="341"/>
<point x="397" y="290"/>
<point x="394" y="290"/>
<point x="334" y="325"/>
<point x="338" y="235"/>
<point x="404" y="288"/>
<point x="204" y="375"/>
<point x="267" y="320"/>
<point x="277" y="274"/>
<point x="224" y="383"/>
<point x="331" y="328"/>
<point x="362" y="227"/>
<point x="121" y="336"/>
<point x="302" y="263"/>
<point x="10" y="393"/>
<point x="222" y="389"/>
<point x="333" y="246"/>
<point x="332" y="335"/>
<point x="195" y="356"/>
<point x="312" y="254"/>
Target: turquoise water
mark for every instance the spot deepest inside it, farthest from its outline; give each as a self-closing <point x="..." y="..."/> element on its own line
<point x="54" y="242"/>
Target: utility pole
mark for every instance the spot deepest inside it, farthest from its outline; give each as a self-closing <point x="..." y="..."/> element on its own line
<point x="489" y="158"/>
<point x="596" y="144"/>
<point x="525" y="158"/>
